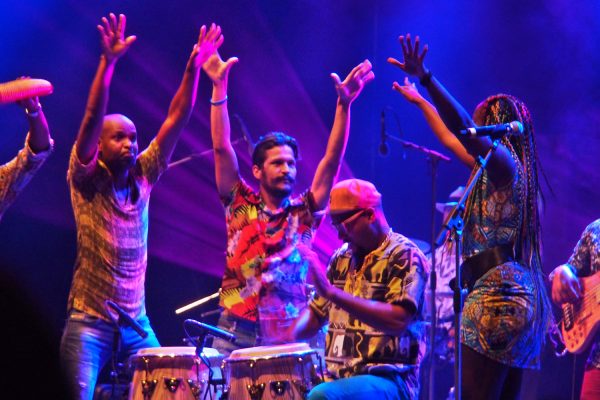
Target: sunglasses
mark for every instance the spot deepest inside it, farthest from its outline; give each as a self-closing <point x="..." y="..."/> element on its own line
<point x="343" y="223"/>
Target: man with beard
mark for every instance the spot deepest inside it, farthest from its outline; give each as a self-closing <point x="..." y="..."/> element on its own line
<point x="110" y="189"/>
<point x="263" y="288"/>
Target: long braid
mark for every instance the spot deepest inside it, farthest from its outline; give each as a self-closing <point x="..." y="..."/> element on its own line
<point x="504" y="108"/>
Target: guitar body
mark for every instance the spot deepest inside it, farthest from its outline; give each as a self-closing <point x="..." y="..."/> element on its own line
<point x="581" y="320"/>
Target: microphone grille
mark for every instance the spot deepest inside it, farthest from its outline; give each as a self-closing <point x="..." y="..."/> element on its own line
<point x="516" y="127"/>
<point x="20" y="89"/>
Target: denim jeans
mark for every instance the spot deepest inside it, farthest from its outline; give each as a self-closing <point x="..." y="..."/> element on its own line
<point x="359" y="387"/>
<point x="87" y="344"/>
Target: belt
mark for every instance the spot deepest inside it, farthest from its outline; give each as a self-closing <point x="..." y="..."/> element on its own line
<point x="476" y="266"/>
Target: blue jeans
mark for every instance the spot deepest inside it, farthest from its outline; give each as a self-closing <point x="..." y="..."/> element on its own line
<point x="87" y="345"/>
<point x="361" y="387"/>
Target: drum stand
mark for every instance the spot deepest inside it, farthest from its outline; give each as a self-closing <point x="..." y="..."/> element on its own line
<point x="455" y="225"/>
<point x="199" y="342"/>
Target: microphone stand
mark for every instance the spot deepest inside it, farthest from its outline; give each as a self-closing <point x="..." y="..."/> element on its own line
<point x="455" y="224"/>
<point x="434" y="158"/>
<point x="116" y="349"/>
<point x="199" y="155"/>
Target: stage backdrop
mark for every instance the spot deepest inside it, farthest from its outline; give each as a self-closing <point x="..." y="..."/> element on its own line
<point x="544" y="52"/>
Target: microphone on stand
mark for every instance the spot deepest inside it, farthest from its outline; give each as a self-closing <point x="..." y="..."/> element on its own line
<point x="210" y="330"/>
<point x="126" y="320"/>
<point x="383" y="146"/>
<point x="245" y="134"/>
<point x="494" y="131"/>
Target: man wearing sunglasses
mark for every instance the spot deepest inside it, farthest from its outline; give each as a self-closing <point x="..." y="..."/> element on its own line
<point x="371" y="296"/>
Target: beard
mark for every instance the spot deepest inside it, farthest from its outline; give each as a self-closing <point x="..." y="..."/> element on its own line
<point x="280" y="192"/>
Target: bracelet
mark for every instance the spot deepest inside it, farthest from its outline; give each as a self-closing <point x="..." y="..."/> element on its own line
<point x="426" y="79"/>
<point x="218" y="102"/>
<point x="35" y="113"/>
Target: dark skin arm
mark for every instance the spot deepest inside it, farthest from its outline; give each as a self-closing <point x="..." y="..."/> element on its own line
<point x="501" y="167"/>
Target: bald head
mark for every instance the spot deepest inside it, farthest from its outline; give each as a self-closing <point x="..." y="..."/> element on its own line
<point x="116" y="122"/>
<point x="118" y="145"/>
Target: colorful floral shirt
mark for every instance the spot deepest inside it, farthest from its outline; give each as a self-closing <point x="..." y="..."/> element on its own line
<point x="395" y="273"/>
<point x="585" y="261"/>
<point x="112" y="238"/>
<point x="265" y="277"/>
<point x="16" y="174"/>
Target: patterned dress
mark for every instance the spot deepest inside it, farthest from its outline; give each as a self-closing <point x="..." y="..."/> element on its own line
<point x="265" y="277"/>
<point x="499" y="313"/>
<point x="394" y="273"/>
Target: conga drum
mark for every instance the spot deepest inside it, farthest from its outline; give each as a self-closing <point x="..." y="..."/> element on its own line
<point x="271" y="372"/>
<point x="173" y="373"/>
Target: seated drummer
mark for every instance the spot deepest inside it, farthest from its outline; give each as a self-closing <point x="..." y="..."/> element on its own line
<point x="371" y="296"/>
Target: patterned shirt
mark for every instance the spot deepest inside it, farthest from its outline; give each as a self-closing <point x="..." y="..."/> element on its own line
<point x="394" y="273"/>
<point x="585" y="261"/>
<point x="265" y="276"/>
<point x="16" y="174"/>
<point x="112" y="238"/>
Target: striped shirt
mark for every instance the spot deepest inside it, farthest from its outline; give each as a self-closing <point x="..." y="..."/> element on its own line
<point x="112" y="238"/>
<point x="16" y="174"/>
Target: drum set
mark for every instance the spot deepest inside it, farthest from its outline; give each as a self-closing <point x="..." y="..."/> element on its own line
<point x="280" y="372"/>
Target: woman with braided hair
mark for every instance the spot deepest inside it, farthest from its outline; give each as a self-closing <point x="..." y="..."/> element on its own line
<point x="507" y="309"/>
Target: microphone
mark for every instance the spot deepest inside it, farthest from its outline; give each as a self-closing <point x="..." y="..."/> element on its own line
<point x="383" y="146"/>
<point x="211" y="330"/>
<point x="494" y="131"/>
<point x="126" y="320"/>
<point x="21" y="89"/>
<point x="245" y="134"/>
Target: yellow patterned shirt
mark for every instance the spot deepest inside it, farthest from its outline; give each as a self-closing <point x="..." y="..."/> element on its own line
<point x="16" y="174"/>
<point x="112" y="239"/>
<point x="394" y="273"/>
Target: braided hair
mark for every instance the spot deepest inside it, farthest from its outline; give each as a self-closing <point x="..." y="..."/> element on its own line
<point x="504" y="108"/>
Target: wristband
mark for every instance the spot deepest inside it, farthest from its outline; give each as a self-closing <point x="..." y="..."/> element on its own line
<point x="218" y="102"/>
<point x="33" y="113"/>
<point x="426" y="79"/>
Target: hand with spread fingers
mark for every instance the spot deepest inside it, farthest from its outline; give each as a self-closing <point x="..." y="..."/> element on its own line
<point x="209" y="41"/>
<point x="352" y="86"/>
<point x="217" y="69"/>
<point x="409" y="91"/>
<point x="413" y="60"/>
<point x="112" y="37"/>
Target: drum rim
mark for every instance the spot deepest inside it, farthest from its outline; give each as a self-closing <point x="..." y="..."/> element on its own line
<point x="269" y="357"/>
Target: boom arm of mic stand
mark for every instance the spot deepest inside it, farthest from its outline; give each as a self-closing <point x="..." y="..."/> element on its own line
<point x="198" y="155"/>
<point x="431" y="153"/>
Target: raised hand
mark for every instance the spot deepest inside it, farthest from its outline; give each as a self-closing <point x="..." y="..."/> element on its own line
<point x="112" y="37"/>
<point x="350" y="88"/>
<point x="409" y="91"/>
<point x="413" y="60"/>
<point x="208" y="44"/>
<point x="217" y="69"/>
